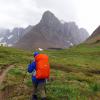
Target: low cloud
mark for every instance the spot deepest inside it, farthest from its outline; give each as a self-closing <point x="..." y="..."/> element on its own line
<point x="15" y="13"/>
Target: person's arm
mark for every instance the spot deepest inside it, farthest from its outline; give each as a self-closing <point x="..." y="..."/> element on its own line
<point x="31" y="67"/>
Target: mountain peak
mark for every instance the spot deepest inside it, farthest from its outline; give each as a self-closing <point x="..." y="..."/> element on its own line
<point x="51" y="33"/>
<point x="49" y="18"/>
<point x="48" y="14"/>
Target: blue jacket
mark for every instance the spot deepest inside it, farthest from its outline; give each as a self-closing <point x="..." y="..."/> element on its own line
<point x="32" y="68"/>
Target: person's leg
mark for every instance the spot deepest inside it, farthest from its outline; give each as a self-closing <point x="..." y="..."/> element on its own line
<point x="34" y="95"/>
<point x="42" y="90"/>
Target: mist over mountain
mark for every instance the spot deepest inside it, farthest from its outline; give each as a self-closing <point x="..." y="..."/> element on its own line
<point x="4" y="32"/>
<point x="51" y="33"/>
<point x="11" y="37"/>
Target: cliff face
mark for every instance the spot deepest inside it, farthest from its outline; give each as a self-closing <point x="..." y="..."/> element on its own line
<point x="51" y="33"/>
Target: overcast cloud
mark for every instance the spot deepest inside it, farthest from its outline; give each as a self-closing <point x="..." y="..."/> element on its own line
<point x="21" y="13"/>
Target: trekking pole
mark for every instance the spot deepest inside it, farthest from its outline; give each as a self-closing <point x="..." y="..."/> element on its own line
<point x="30" y="61"/>
<point x="25" y="73"/>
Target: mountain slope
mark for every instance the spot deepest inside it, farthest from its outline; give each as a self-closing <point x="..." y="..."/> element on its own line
<point x="51" y="33"/>
<point x="95" y="37"/>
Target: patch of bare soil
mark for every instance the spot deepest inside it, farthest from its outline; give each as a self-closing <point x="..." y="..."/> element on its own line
<point x="2" y="76"/>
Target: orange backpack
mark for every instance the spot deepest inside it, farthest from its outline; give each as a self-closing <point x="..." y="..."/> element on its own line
<point x="42" y="66"/>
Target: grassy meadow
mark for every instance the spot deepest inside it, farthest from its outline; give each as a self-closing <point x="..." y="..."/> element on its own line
<point x="75" y="73"/>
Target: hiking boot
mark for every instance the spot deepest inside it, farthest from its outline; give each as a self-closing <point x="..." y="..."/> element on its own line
<point x="34" y="97"/>
<point x="44" y="98"/>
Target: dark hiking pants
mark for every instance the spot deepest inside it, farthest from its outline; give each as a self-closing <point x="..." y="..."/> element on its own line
<point x="39" y="88"/>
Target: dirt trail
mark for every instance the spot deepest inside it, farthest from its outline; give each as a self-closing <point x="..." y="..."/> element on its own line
<point x="2" y="76"/>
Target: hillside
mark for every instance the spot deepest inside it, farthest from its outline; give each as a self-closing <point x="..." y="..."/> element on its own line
<point x="51" y="33"/>
<point x="95" y="37"/>
<point x="75" y="73"/>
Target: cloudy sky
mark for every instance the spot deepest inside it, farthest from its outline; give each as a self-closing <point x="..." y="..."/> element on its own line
<point x="21" y="13"/>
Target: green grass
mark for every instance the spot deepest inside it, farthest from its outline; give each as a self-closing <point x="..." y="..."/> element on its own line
<point x="80" y="56"/>
<point x="10" y="56"/>
<point x="75" y="73"/>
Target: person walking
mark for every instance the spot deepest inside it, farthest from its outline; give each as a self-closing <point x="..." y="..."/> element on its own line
<point x="40" y="70"/>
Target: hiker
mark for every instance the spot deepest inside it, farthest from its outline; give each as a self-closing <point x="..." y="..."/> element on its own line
<point x="41" y="70"/>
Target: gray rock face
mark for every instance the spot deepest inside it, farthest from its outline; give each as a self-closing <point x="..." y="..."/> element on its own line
<point x="11" y="37"/>
<point x="4" y="33"/>
<point x="84" y="34"/>
<point x="51" y="33"/>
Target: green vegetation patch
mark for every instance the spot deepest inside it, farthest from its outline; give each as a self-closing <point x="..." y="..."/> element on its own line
<point x="75" y="73"/>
